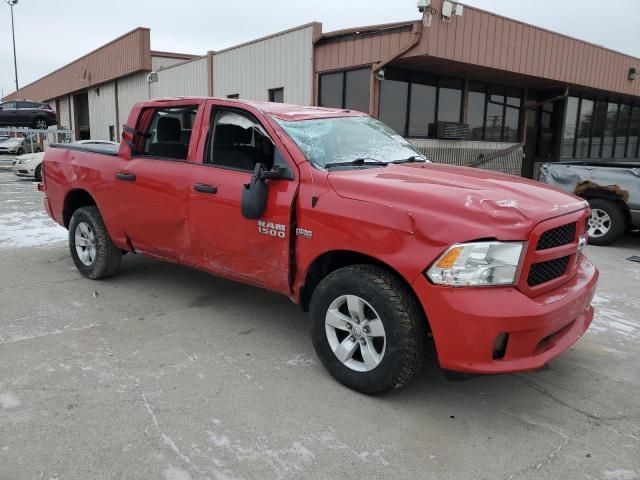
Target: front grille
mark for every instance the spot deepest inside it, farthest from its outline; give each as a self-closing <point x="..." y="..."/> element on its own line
<point x="546" y="271"/>
<point x="557" y="237"/>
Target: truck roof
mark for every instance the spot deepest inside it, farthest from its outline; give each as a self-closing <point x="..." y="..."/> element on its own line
<point x="283" y="111"/>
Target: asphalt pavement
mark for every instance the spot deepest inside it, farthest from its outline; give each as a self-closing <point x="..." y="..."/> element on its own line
<point x="163" y="372"/>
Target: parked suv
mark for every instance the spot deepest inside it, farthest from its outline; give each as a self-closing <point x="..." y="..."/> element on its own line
<point x="20" y="113"/>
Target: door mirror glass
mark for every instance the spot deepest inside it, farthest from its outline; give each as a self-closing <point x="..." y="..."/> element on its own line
<point x="255" y="194"/>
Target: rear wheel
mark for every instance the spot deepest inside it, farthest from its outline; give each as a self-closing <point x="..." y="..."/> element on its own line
<point x="92" y="250"/>
<point x="607" y="222"/>
<point x="367" y="329"/>
<point x="40" y="124"/>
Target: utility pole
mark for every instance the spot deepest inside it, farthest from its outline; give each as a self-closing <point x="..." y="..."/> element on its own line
<point x="13" y="34"/>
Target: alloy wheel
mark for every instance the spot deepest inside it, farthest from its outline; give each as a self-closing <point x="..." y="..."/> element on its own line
<point x="599" y="223"/>
<point x="355" y="333"/>
<point x="85" y="243"/>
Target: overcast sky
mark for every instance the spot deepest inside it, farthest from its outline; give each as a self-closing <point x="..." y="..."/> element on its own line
<point x="52" y="33"/>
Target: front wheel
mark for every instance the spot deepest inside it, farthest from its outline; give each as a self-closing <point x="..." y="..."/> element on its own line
<point x="38" y="173"/>
<point x="92" y="250"/>
<point x="367" y="330"/>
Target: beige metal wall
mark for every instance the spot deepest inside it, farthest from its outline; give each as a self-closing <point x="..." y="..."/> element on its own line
<point x="184" y="79"/>
<point x="102" y="110"/>
<point x="131" y="90"/>
<point x="160" y="63"/>
<point x="281" y="60"/>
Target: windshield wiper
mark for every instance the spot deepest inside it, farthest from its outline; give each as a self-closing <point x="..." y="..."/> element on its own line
<point x="411" y="159"/>
<point x="358" y="162"/>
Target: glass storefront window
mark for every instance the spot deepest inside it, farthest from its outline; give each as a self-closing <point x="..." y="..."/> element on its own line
<point x="346" y="89"/>
<point x="623" y="131"/>
<point x="475" y="111"/>
<point x="331" y="90"/>
<point x="356" y="92"/>
<point x="570" y="127"/>
<point x="393" y="104"/>
<point x="633" y="148"/>
<point x="599" y="120"/>
<point x="422" y="109"/>
<point x="585" y="122"/>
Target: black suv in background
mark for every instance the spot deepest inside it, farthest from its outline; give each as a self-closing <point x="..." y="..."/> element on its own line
<point x="21" y="113"/>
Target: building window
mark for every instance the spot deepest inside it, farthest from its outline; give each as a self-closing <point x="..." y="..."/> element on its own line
<point x="393" y="104"/>
<point x="475" y="110"/>
<point x="276" y="95"/>
<point x="633" y="147"/>
<point x="411" y="102"/>
<point x="600" y="129"/>
<point x="112" y="133"/>
<point x="346" y="89"/>
<point x="233" y="95"/>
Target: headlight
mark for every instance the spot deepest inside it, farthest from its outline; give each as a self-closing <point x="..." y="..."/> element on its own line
<point x="477" y="264"/>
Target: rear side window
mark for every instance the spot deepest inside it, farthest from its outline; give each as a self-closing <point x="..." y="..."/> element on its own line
<point x="8" y="105"/>
<point x="169" y="133"/>
<point x="238" y="141"/>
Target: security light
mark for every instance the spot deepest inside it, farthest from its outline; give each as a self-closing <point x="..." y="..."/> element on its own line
<point x="633" y="73"/>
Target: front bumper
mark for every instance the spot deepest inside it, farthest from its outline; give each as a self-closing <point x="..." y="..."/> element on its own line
<point x="465" y="322"/>
<point x="23" y="170"/>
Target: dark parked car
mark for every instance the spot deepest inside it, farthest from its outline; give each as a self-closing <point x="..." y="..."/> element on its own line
<point x="20" y="113"/>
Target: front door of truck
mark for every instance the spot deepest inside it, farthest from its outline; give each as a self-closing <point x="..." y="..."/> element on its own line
<point x="152" y="187"/>
<point x="223" y="241"/>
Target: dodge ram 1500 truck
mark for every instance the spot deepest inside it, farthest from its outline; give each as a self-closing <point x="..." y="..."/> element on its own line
<point x="336" y="211"/>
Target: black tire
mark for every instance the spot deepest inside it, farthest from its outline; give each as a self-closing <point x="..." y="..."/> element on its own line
<point x="107" y="257"/>
<point x="616" y="225"/>
<point x="39" y="173"/>
<point x="20" y="152"/>
<point x="404" y="326"/>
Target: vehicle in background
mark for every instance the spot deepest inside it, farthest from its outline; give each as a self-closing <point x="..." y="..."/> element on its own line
<point x="19" y="146"/>
<point x="22" y="113"/>
<point x="612" y="190"/>
<point x="386" y="250"/>
<point x="30" y="164"/>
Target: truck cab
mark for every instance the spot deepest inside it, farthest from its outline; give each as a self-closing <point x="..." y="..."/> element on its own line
<point x="386" y="250"/>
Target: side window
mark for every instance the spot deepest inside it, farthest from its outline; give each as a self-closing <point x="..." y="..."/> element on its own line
<point x="9" y="106"/>
<point x="22" y="105"/>
<point x="169" y="133"/>
<point x="238" y="141"/>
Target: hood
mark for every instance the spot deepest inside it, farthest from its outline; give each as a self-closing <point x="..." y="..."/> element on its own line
<point x="478" y="203"/>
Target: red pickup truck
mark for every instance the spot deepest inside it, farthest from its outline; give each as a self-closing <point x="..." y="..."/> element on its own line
<point x="336" y="211"/>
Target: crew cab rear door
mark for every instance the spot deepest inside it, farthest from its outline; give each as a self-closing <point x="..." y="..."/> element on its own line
<point x="152" y="187"/>
<point x="223" y="241"/>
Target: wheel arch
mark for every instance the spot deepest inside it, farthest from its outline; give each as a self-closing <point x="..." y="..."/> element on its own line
<point x="75" y="199"/>
<point x="611" y="196"/>
<point x="333" y="260"/>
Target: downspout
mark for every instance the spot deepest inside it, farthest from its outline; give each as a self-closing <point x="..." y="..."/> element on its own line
<point x="210" y="54"/>
<point x="376" y="67"/>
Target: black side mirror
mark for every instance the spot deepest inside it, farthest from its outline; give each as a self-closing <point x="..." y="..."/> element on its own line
<point x="255" y="194"/>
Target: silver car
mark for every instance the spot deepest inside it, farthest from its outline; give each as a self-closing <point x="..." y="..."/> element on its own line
<point x="18" y="146"/>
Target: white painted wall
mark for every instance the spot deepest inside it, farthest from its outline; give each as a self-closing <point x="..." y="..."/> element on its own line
<point x="102" y="110"/>
<point x="185" y="79"/>
<point x="131" y="90"/>
<point x="284" y="60"/>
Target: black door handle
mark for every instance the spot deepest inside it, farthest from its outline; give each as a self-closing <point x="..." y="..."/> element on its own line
<point x="204" y="188"/>
<point x="126" y="177"/>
